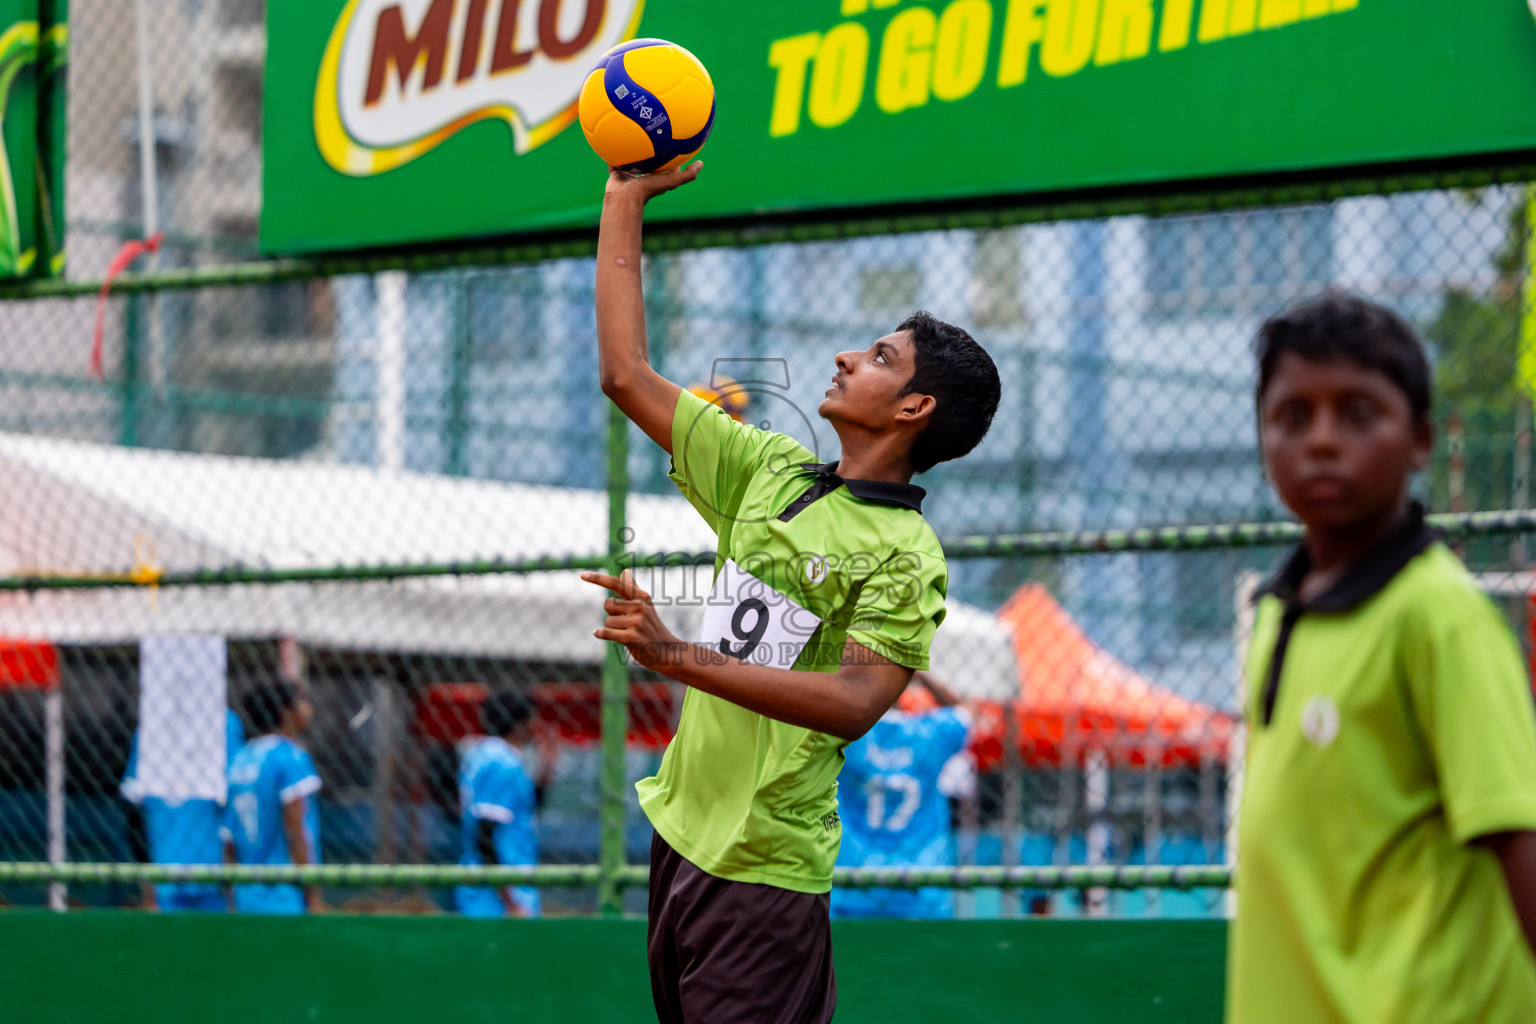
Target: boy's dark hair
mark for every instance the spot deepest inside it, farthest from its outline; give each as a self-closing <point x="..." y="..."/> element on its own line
<point x="964" y="384"/>
<point x="503" y="712"/>
<point x="265" y="703"/>
<point x="1338" y="326"/>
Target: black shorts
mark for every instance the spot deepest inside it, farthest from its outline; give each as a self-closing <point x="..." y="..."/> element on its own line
<point x="735" y="952"/>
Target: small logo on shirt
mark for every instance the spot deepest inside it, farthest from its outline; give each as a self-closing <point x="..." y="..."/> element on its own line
<point x="1320" y="721"/>
<point x="832" y="822"/>
<point x="816" y="570"/>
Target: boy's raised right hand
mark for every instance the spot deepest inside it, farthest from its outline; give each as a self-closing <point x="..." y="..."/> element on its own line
<point x="623" y="361"/>
<point x="646" y="186"/>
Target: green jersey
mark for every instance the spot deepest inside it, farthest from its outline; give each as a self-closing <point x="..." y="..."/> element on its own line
<point x="806" y="561"/>
<point x="1391" y="724"/>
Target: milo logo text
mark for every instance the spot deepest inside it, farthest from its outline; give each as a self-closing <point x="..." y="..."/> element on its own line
<point x="399" y="77"/>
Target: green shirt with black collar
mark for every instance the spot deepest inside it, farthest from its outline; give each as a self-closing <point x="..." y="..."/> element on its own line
<point x="1390" y="725"/>
<point x="807" y="560"/>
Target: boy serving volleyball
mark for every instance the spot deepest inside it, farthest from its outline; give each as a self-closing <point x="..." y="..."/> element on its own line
<point x="828" y="587"/>
<point x="1387" y="862"/>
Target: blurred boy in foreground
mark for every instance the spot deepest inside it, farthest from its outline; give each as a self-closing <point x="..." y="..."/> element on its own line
<point x="1387" y="849"/>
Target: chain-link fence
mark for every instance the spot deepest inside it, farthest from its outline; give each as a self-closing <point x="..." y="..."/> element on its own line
<point x="349" y="480"/>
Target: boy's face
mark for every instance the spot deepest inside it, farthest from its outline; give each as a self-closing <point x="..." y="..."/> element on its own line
<point x="867" y="389"/>
<point x="302" y="711"/>
<point x="1339" y="441"/>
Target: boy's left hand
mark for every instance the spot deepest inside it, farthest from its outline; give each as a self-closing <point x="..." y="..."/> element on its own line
<point x="633" y="622"/>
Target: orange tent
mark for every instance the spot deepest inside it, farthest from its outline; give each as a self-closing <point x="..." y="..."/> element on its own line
<point x="1075" y="699"/>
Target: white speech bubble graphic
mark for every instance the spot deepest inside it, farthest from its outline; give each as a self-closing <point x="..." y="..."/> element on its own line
<point x="400" y="77"/>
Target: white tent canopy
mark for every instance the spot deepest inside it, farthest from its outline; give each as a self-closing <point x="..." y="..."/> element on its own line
<point x="80" y="509"/>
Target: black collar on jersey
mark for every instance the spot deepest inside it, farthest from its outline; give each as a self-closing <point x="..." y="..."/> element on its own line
<point x="1359" y="583"/>
<point x="881" y="492"/>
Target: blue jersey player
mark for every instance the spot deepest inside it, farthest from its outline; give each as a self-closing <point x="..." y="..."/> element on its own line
<point x="180" y="831"/>
<point x="499" y="803"/>
<point x="272" y="816"/>
<point x="893" y="812"/>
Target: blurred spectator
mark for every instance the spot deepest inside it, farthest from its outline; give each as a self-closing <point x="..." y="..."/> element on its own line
<point x="499" y="802"/>
<point x="893" y="805"/>
<point x="164" y="830"/>
<point x="273" y="817"/>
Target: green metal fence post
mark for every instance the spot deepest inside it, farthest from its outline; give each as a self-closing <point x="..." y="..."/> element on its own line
<point x="128" y="401"/>
<point x="615" y="679"/>
<point x="458" y="381"/>
<point x="661" y="317"/>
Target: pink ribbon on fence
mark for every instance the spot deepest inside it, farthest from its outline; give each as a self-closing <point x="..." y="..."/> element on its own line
<point x="130" y="251"/>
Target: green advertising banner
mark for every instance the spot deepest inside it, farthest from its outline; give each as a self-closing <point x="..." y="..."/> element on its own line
<point x="33" y="44"/>
<point x="407" y="121"/>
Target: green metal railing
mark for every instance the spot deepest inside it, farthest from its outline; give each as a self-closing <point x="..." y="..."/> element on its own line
<point x="1453" y="526"/>
<point x="615" y="706"/>
<point x="609" y="878"/>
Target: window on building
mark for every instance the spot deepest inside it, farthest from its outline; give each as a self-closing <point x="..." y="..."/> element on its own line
<point x="999" y="277"/>
<point x="1205" y="588"/>
<point x="1168" y="247"/>
<point x="1249" y="260"/>
<point x="239" y="87"/>
<point x="883" y="289"/>
<point x="295" y="311"/>
<point x="1220" y="250"/>
<point x="504" y="312"/>
<point x="242" y="13"/>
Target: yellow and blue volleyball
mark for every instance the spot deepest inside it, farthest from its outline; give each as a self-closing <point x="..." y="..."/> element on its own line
<point x="647" y="105"/>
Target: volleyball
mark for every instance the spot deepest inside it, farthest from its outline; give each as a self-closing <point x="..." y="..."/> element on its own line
<point x="647" y="105"/>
